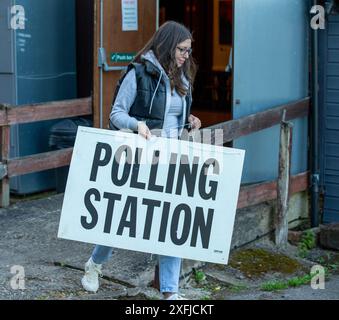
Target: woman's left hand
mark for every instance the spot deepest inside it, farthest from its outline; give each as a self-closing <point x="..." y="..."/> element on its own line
<point x="194" y="121"/>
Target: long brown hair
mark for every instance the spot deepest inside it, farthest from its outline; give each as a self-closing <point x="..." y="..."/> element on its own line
<point x="163" y="44"/>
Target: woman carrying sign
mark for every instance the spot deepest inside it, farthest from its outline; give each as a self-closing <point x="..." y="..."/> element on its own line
<point x="154" y="93"/>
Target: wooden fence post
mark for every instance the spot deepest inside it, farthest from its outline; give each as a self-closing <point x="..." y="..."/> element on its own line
<point x="4" y="139"/>
<point x="283" y="185"/>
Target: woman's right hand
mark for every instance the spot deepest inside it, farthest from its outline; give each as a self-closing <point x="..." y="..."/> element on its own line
<point x="143" y="130"/>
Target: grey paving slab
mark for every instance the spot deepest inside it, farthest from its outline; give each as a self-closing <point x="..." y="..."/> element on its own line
<point x="28" y="238"/>
<point x="53" y="267"/>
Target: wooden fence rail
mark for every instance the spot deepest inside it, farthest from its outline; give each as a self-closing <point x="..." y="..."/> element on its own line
<point x="234" y="129"/>
<point x="249" y="195"/>
<point x="39" y="162"/>
<point x="45" y="111"/>
<point x="257" y="193"/>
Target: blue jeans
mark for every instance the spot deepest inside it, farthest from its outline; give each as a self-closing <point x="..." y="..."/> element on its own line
<point x="169" y="267"/>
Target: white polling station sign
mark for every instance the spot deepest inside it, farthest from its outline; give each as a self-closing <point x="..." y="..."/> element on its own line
<point x="162" y="196"/>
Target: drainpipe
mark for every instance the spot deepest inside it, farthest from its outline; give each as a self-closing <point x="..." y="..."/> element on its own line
<point x="314" y="132"/>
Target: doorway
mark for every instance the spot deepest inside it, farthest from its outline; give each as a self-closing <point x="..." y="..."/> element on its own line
<point x="211" y="23"/>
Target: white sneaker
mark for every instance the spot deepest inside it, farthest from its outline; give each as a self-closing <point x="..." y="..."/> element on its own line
<point x="175" y="296"/>
<point x="90" y="281"/>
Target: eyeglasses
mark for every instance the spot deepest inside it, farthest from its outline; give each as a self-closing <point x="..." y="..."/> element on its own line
<point x="183" y="51"/>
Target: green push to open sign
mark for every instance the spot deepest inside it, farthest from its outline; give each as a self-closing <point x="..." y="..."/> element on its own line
<point x="122" y="57"/>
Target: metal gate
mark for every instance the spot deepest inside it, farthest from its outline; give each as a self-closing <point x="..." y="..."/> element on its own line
<point x="329" y="117"/>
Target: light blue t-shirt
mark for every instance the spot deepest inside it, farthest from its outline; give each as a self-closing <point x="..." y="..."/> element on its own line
<point x="173" y="120"/>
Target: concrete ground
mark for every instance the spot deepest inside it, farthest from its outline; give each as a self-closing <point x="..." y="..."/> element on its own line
<point x="52" y="268"/>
